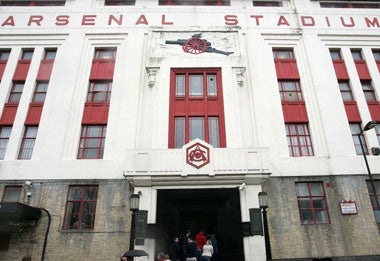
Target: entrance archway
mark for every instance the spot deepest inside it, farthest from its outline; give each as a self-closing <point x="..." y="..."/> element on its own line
<point x="216" y="211"/>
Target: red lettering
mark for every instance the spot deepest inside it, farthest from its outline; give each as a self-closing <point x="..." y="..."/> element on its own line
<point x="62" y="20"/>
<point x="231" y="20"/>
<point x="327" y="21"/>
<point x="256" y="17"/>
<point x="35" y="19"/>
<point x="307" y="21"/>
<point x="372" y="23"/>
<point x="347" y="25"/>
<point x="282" y="21"/>
<point x="9" y="21"/>
<point x="88" y="20"/>
<point x="163" y="21"/>
<point x="113" y="18"/>
<point x="142" y="20"/>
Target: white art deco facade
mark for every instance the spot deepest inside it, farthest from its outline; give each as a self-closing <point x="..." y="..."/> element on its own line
<point x="195" y="106"/>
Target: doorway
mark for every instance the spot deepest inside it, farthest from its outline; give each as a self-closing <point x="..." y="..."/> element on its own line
<point x="215" y="211"/>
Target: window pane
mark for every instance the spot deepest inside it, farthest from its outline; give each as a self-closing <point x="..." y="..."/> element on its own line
<point x="27" y="55"/>
<point x="321" y="216"/>
<point x="196" y="85"/>
<point x="180" y="85"/>
<point x="316" y="189"/>
<point x="211" y="85"/>
<point x="307" y="217"/>
<point x="213" y="126"/>
<point x="302" y="189"/>
<point x="356" y="55"/>
<point x="50" y="54"/>
<point x="12" y="193"/>
<point x="304" y="203"/>
<point x="197" y="128"/>
<point x="335" y="55"/>
<point x="179" y="132"/>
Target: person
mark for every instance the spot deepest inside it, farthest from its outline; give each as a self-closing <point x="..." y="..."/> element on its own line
<point x="214" y="243"/>
<point x="191" y="250"/>
<point x="126" y="258"/>
<point x="207" y="251"/>
<point x="185" y="243"/>
<point x="174" y="251"/>
<point x="201" y="239"/>
<point x="161" y="257"/>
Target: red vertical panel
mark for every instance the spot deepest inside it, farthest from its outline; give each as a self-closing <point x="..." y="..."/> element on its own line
<point x="44" y="71"/>
<point x="286" y="69"/>
<point x="95" y="113"/>
<point x="294" y="112"/>
<point x="374" y="110"/>
<point x="21" y="70"/>
<point x="9" y="114"/>
<point x="362" y="69"/>
<point x="34" y="114"/>
<point x="340" y="70"/>
<point x="378" y="65"/>
<point x="102" y="70"/>
<point x="352" y="111"/>
<point x="2" y="68"/>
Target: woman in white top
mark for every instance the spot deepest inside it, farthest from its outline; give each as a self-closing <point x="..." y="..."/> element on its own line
<point x="207" y="251"/>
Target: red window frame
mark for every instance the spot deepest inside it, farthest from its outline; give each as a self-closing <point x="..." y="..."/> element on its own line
<point x="372" y="194"/>
<point x="105" y="53"/>
<point x="5" y="133"/>
<point x="195" y="2"/>
<point x="299" y="139"/>
<point x="16" y="92"/>
<point x="119" y="2"/>
<point x="11" y="193"/>
<point x="312" y="203"/>
<point x="28" y="141"/>
<point x="290" y="90"/>
<point x="99" y="91"/>
<point x="40" y="91"/>
<point x="91" y="145"/>
<point x="80" y="207"/>
<point x="345" y="91"/>
<point x="283" y="53"/>
<point x="355" y="130"/>
<point x="196" y="97"/>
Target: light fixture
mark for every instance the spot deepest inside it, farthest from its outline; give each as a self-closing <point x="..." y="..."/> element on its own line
<point x="369" y="125"/>
<point x="134" y="201"/>
<point x="263" y="200"/>
<point x="263" y="203"/>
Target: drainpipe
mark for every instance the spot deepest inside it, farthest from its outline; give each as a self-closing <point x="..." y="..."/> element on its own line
<point x="46" y="234"/>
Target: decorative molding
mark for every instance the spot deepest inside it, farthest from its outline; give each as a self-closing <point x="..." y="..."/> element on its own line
<point x="152" y="73"/>
<point x="240" y="75"/>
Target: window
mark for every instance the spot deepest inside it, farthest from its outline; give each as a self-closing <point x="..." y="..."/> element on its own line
<point x="345" y="91"/>
<point x="27" y="54"/>
<point x="290" y="90"/>
<point x="16" y="91"/>
<point x="27" y="143"/>
<point x="357" y="55"/>
<point x="350" y="4"/>
<point x="377" y="129"/>
<point x="99" y="91"/>
<point x="267" y="3"/>
<point x="105" y="53"/>
<point x="196" y="107"/>
<point x="40" y="91"/>
<point x="92" y="140"/>
<point x="50" y="54"/>
<point x="355" y="130"/>
<point x="194" y="2"/>
<point x="80" y="207"/>
<point x="312" y="203"/>
<point x="376" y="54"/>
<point x="119" y="2"/>
<point x="372" y="195"/>
<point x="335" y="54"/>
<point x="5" y="133"/>
<point x="299" y="140"/>
<point x="33" y="3"/>
<point x="368" y="90"/>
<point x="283" y="54"/>
<point x="11" y="193"/>
<point x="4" y="55"/>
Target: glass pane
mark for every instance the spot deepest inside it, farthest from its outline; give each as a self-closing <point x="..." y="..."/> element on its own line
<point x="90" y="193"/>
<point x="307" y="217"/>
<point x="88" y="207"/>
<point x="75" y="193"/>
<point x="18" y="87"/>
<point x="179" y="132"/>
<point x="213" y="126"/>
<point x="180" y="85"/>
<point x="196" y="85"/>
<point x="91" y="153"/>
<point x="27" y="55"/>
<point x="319" y="203"/>
<point x="302" y="189"/>
<point x="335" y="54"/>
<point x="321" y="216"/>
<point x="356" y="55"/>
<point x="50" y="54"/>
<point x="93" y="131"/>
<point x="5" y="132"/>
<point x="72" y="221"/>
<point x="197" y="128"/>
<point x="376" y="55"/>
<point x="211" y="85"/>
<point x="12" y="194"/>
<point x="304" y="203"/>
<point x="316" y="189"/>
<point x="4" y="55"/>
<point x="31" y="132"/>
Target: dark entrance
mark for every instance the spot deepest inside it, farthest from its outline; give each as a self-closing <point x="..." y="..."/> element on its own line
<point x="216" y="211"/>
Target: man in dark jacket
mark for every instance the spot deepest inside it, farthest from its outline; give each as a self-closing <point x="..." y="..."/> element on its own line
<point x="174" y="251"/>
<point x="191" y="251"/>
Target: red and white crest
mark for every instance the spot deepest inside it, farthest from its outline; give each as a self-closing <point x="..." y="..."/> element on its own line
<point x="198" y="155"/>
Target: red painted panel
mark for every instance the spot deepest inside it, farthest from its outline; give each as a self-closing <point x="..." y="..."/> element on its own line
<point x="44" y="71"/>
<point x="95" y="113"/>
<point x="340" y="70"/>
<point x="2" y="68"/>
<point x="362" y="70"/>
<point x="378" y="65"/>
<point x="9" y="114"/>
<point x="374" y="110"/>
<point x="286" y="69"/>
<point x="352" y="111"/>
<point x="102" y="70"/>
<point x="34" y="114"/>
<point x="21" y="70"/>
<point x="294" y="112"/>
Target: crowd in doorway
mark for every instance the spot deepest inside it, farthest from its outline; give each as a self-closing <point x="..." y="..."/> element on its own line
<point x="192" y="247"/>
